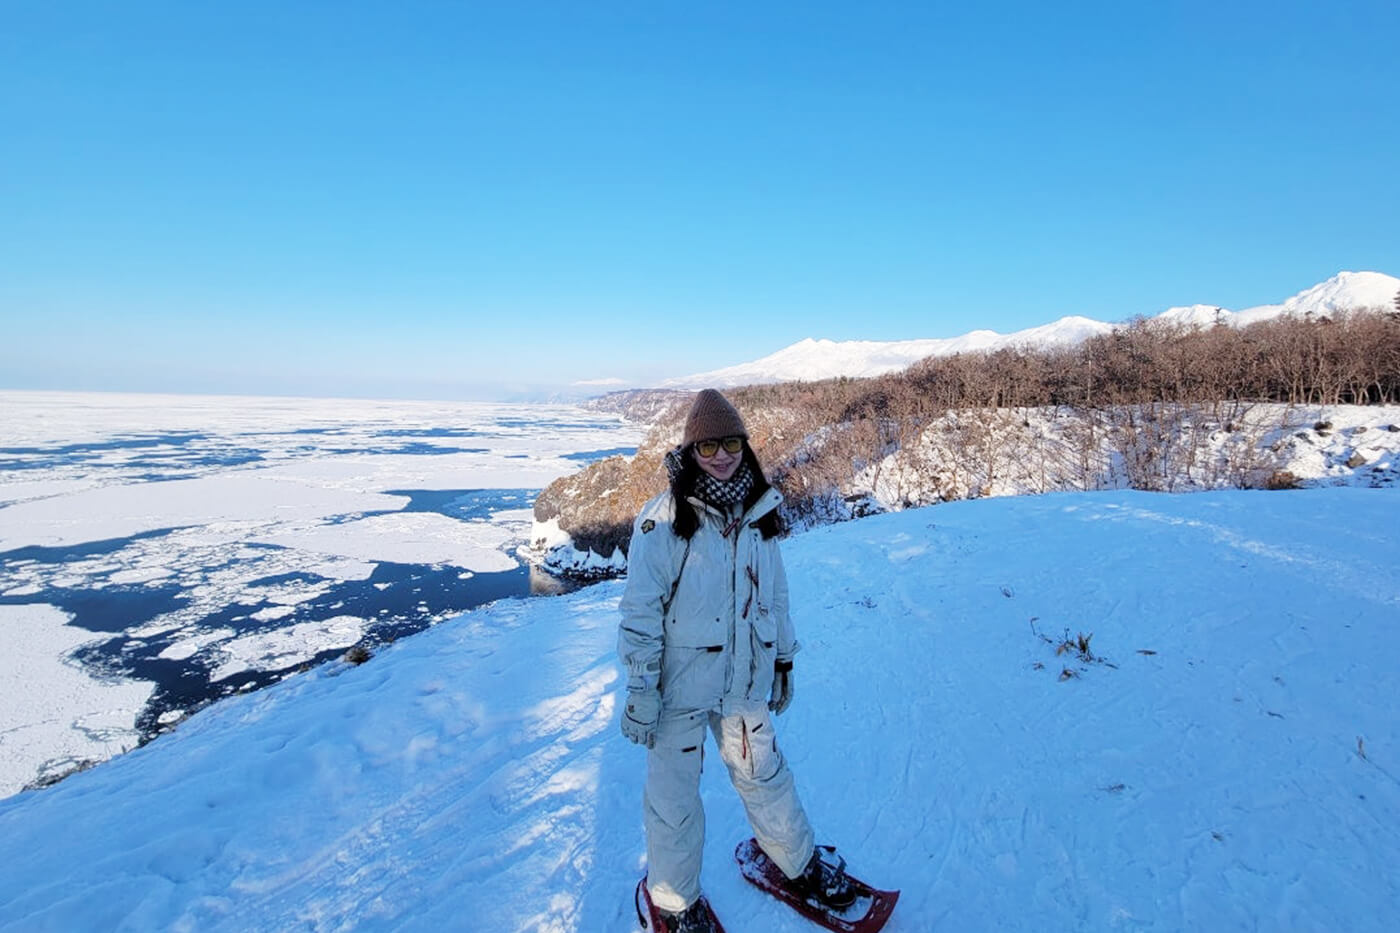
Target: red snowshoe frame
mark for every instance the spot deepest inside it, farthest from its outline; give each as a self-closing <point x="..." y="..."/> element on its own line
<point x="868" y="914"/>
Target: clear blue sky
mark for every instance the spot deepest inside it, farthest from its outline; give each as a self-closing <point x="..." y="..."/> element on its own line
<point x="442" y="199"/>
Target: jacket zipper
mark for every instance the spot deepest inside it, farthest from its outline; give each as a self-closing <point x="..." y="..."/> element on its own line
<point x="733" y="596"/>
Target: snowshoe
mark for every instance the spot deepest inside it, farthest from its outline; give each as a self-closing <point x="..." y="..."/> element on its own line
<point x="697" y="918"/>
<point x="821" y="891"/>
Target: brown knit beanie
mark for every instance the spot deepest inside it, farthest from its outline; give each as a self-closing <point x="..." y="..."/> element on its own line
<point x="710" y="417"/>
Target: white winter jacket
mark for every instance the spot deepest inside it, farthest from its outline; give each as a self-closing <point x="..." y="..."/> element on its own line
<point x="718" y="638"/>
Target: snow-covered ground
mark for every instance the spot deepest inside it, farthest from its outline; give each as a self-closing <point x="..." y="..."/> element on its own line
<point x="159" y="550"/>
<point x="1229" y="759"/>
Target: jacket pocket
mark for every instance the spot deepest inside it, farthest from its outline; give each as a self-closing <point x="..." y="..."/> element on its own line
<point x="692" y="678"/>
<point x="699" y="614"/>
<point x="763" y="651"/>
<point x="763" y="630"/>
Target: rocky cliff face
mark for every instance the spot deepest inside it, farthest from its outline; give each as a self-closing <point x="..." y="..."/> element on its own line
<point x="643" y="405"/>
<point x="583" y="522"/>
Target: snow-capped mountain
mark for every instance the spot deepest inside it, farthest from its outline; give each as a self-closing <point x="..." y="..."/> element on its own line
<point x="812" y="359"/>
<point x="1343" y="291"/>
<point x="824" y="359"/>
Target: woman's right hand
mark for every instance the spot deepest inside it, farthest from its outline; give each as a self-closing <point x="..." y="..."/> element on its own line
<point x="640" y="714"/>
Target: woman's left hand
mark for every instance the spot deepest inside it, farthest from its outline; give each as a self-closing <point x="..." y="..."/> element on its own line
<point x="782" y="691"/>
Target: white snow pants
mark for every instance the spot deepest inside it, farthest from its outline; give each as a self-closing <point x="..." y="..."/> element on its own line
<point x="675" y="819"/>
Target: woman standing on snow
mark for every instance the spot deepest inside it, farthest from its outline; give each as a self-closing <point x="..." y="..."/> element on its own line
<point x="707" y="643"/>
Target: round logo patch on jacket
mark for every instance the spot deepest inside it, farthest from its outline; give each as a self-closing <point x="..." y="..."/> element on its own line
<point x="648" y="525"/>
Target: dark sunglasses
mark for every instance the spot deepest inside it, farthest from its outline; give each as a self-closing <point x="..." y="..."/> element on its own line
<point x="708" y="449"/>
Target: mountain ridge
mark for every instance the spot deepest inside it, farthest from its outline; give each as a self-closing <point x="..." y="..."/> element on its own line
<point x="819" y="358"/>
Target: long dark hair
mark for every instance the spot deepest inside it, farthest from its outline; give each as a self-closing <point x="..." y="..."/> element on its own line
<point x="686" y="520"/>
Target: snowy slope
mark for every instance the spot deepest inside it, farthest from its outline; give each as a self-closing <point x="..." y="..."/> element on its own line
<point x="1027" y="451"/>
<point x="1233" y="762"/>
<point x="811" y="359"/>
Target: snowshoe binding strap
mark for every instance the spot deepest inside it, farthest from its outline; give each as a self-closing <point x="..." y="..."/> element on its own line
<point x="825" y="879"/>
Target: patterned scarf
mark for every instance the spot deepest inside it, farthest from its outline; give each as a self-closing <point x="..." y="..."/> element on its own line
<point x="719" y="493"/>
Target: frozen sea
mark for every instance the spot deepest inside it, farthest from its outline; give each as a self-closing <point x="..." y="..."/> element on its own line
<point x="160" y="552"/>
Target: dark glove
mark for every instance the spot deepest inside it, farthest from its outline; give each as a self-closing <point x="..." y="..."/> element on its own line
<point x="782" y="687"/>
